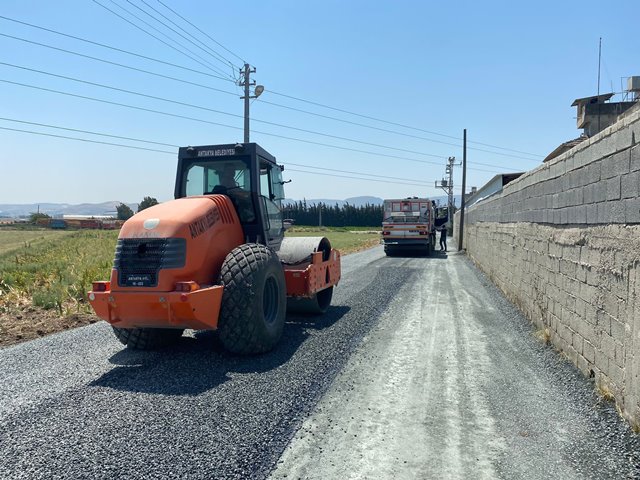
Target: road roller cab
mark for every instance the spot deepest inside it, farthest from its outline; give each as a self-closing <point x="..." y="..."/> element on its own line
<point x="215" y="258"/>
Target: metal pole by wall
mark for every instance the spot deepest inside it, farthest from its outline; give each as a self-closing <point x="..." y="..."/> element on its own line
<point x="464" y="186"/>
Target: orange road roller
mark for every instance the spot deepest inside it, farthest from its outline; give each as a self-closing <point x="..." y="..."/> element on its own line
<point x="215" y="258"/>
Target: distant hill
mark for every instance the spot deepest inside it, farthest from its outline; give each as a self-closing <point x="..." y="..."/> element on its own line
<point x="59" y="209"/>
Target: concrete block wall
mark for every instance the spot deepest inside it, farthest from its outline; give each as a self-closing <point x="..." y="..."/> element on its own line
<point x="563" y="243"/>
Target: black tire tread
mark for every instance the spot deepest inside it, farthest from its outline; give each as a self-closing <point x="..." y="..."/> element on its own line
<point x="147" y="338"/>
<point x="241" y="327"/>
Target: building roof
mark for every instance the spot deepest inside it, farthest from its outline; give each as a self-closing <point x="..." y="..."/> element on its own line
<point x="593" y="99"/>
<point x="563" y="147"/>
<point x="492" y="187"/>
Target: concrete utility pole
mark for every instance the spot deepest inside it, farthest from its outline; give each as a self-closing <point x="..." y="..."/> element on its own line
<point x="464" y="186"/>
<point x="246" y="82"/>
<point x="447" y="186"/>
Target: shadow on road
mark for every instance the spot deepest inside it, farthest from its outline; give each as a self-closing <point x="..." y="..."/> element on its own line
<point x="197" y="364"/>
<point x="435" y="255"/>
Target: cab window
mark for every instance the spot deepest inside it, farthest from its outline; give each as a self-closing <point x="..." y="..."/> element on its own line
<point x="216" y="176"/>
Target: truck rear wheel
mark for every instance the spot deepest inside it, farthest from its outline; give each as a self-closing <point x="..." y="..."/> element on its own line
<point x="147" y="338"/>
<point x="254" y="300"/>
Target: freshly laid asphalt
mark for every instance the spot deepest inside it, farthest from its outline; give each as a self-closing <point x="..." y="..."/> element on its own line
<point x="420" y="369"/>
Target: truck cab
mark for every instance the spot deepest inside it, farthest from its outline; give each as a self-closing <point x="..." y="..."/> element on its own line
<point x="248" y="175"/>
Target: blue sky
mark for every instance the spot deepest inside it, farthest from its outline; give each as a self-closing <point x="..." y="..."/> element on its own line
<point x="506" y="71"/>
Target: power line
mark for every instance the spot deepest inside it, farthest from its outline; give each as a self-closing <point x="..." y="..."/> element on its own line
<point x="90" y="132"/>
<point x="357" y="178"/>
<point x="213" y="55"/>
<point x="176" y="102"/>
<point x="201" y="62"/>
<point x="204" y="33"/>
<point x="347" y="171"/>
<point x="25" y="122"/>
<point x="269" y="91"/>
<point x="185" y="117"/>
<point x="85" y="140"/>
<point x="208" y="88"/>
<point x="262" y="100"/>
<point x="211" y="51"/>
<point x="65" y="137"/>
<point x="102" y="45"/>
<point x="121" y="65"/>
<point x="394" y="123"/>
<point x="390" y="131"/>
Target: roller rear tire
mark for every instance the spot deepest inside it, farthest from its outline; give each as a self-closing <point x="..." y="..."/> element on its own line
<point x="147" y="338"/>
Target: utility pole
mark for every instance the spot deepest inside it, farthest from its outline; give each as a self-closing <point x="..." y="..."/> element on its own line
<point x="464" y="186"/>
<point x="447" y="186"/>
<point x="246" y="82"/>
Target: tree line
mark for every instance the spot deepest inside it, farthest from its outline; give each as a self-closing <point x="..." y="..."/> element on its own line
<point x="333" y="215"/>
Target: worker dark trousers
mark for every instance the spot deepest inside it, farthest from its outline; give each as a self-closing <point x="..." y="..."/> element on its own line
<point x="443" y="243"/>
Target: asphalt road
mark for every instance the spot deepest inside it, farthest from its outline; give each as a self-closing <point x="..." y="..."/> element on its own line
<point x="420" y="369"/>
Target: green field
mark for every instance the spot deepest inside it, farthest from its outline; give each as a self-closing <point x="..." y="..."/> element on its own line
<point x="54" y="269"/>
<point x="14" y="239"/>
<point x="345" y="239"/>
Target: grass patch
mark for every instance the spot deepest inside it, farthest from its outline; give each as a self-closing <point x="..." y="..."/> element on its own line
<point x="54" y="271"/>
<point x="15" y="239"/>
<point x="543" y="335"/>
<point x="341" y="238"/>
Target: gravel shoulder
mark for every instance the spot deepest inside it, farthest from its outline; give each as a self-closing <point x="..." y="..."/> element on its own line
<point x="451" y="383"/>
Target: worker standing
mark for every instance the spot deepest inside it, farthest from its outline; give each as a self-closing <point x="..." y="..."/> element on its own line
<point x="443" y="238"/>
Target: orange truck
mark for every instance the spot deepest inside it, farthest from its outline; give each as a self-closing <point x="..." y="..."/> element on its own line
<point x="215" y="258"/>
<point x="409" y="225"/>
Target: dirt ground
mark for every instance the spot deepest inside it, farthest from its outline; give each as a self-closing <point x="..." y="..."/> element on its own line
<point x="33" y="322"/>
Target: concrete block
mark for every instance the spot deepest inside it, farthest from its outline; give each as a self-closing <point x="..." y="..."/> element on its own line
<point x="603" y="212"/>
<point x="608" y="346"/>
<point x="620" y="355"/>
<point x="588" y="193"/>
<point x="564" y="216"/>
<point x="567" y="268"/>
<point x="591" y="213"/>
<point x="586" y="330"/>
<point x="632" y="210"/>
<point x="600" y="192"/>
<point x="592" y="173"/>
<point x="602" y="362"/>
<point x="611" y="306"/>
<point x="615" y="212"/>
<point x="584" y="366"/>
<point x="630" y="185"/>
<point x="619" y="163"/>
<point x="588" y="293"/>
<point x="635" y="158"/>
<point x="613" y="188"/>
<point x="580" y="214"/>
<point x="616" y="374"/>
<point x="617" y="330"/>
<point x="589" y="352"/>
